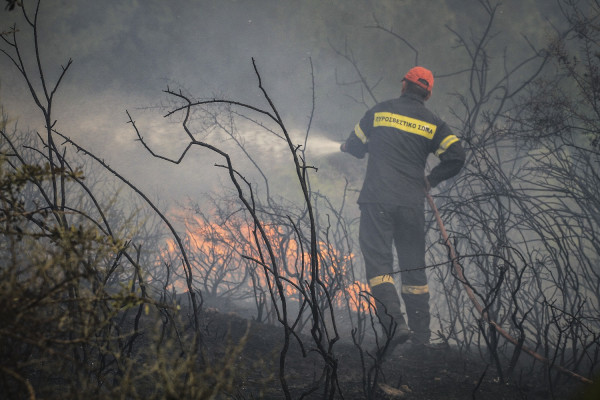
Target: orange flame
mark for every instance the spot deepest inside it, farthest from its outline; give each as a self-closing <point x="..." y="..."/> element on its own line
<point x="223" y="258"/>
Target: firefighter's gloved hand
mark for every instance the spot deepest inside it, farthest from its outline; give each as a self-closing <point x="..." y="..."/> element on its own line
<point x="430" y="183"/>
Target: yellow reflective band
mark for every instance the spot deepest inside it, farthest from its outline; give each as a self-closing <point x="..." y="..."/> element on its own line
<point x="360" y="134"/>
<point x="378" y="280"/>
<point x="404" y="123"/>
<point x="406" y="289"/>
<point x="445" y="144"/>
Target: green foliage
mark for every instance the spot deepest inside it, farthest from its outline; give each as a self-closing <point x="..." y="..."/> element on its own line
<point x="70" y="325"/>
<point x="55" y="310"/>
<point x="76" y="317"/>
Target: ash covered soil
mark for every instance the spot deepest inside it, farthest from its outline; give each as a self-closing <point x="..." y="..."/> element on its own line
<point x="440" y="373"/>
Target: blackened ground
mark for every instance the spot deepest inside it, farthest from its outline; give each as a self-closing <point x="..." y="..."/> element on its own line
<point x="406" y="374"/>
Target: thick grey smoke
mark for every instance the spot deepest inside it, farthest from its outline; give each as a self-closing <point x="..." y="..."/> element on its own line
<point x="126" y="53"/>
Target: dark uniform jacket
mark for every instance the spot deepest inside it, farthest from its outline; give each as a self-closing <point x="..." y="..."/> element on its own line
<point x="399" y="134"/>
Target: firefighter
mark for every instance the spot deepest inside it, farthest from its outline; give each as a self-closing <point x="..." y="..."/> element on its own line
<point x="399" y="135"/>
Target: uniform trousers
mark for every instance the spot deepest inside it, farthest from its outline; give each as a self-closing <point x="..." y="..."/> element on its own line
<point x="384" y="227"/>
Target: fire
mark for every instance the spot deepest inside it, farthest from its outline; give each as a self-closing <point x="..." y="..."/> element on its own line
<point x="223" y="258"/>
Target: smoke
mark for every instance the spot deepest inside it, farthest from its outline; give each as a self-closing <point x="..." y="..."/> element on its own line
<point x="125" y="52"/>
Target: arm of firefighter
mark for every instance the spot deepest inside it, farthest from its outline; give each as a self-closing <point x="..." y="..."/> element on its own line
<point x="452" y="159"/>
<point x="356" y="144"/>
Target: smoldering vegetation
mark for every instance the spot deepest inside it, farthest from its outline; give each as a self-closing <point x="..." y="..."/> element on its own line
<point x="256" y="291"/>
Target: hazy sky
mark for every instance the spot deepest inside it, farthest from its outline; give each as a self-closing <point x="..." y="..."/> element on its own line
<point x="126" y="52"/>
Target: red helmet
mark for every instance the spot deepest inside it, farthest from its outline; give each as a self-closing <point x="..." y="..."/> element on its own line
<point x="421" y="77"/>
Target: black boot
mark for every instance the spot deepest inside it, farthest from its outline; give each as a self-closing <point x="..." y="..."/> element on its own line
<point x="389" y="313"/>
<point x="417" y="311"/>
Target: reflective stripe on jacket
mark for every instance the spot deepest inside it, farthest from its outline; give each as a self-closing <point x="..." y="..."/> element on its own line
<point x="399" y="134"/>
